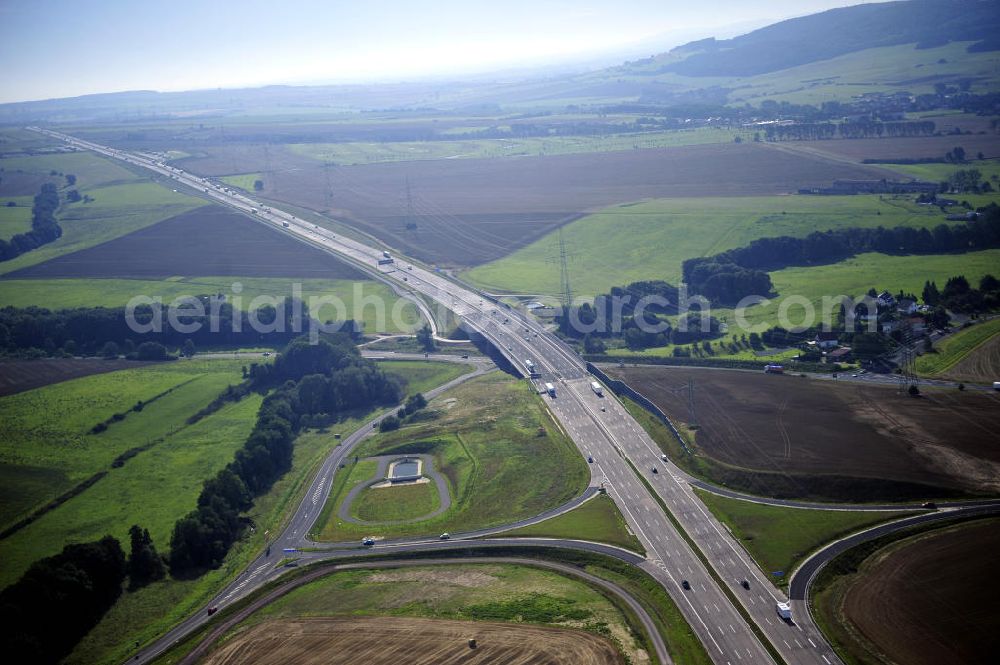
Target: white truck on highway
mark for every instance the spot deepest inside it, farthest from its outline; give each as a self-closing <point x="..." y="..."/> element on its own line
<point x="597" y="388"/>
<point x="550" y="389"/>
<point x="784" y="611"/>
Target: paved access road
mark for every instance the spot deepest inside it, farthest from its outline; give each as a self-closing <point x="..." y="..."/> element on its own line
<point x="613" y="437"/>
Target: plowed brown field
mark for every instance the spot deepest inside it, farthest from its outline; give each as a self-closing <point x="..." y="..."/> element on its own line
<point x="809" y="427"/>
<point x="206" y="241"/>
<point x="933" y="600"/>
<point x="982" y="365"/>
<point x="470" y="211"/>
<point x="393" y="640"/>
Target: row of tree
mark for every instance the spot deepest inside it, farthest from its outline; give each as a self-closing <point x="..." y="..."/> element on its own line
<point x="617" y="315"/>
<point x="959" y="295"/>
<point x="720" y="279"/>
<point x="60" y="598"/>
<point x="817" y="131"/>
<point x="89" y="330"/>
<point x="330" y="378"/>
<point x="44" y="228"/>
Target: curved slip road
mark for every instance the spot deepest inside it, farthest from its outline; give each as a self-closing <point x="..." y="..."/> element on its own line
<point x="231" y="621"/>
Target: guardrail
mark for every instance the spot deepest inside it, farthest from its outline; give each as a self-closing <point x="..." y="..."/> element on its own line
<point x="621" y="388"/>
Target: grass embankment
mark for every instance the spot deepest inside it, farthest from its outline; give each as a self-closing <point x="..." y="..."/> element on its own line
<point x="143" y="615"/>
<point x="69" y="293"/>
<point x="122" y="201"/>
<point x="598" y="519"/>
<point x="400" y="502"/>
<point x="48" y="448"/>
<point x="650" y="240"/>
<point x="949" y="351"/>
<point x="495" y="443"/>
<point x="779" y="538"/>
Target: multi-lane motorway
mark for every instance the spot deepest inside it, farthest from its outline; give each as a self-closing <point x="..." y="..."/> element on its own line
<point x="719" y="589"/>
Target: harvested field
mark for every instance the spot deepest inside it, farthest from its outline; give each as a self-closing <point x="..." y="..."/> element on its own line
<point x="470" y="211"/>
<point x="390" y="640"/>
<point x="801" y="432"/>
<point x="206" y="241"/>
<point x="17" y="376"/>
<point x="931" y="600"/>
<point x="982" y="365"/>
<point x="914" y="147"/>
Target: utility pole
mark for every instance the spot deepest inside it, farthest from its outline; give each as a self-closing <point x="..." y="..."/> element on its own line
<point x="691" y="412"/>
<point x="567" y="291"/>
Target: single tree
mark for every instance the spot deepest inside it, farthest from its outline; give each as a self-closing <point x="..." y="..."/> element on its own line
<point x="144" y="564"/>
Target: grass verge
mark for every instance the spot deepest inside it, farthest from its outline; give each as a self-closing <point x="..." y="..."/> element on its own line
<point x="779" y="538"/>
<point x="598" y="519"/>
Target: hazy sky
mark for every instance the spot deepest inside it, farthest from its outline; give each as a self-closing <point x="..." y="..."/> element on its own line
<point x="60" y="48"/>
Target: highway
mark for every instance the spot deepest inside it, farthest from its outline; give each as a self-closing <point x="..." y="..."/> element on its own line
<point x="619" y="446"/>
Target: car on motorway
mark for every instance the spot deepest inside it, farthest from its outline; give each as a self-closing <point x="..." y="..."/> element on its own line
<point x="929" y="505"/>
<point x="445" y="536"/>
<point x="590" y="459"/>
<point x="654" y="470"/>
<point x="745" y="583"/>
<point x="212" y="610"/>
<point x="663" y="457"/>
<point x="368" y="541"/>
<point x="686" y="585"/>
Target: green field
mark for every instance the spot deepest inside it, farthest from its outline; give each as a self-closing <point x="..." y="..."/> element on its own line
<point x="17" y="219"/>
<point x="855" y="276"/>
<point x="243" y="180"/>
<point x="952" y="349"/>
<point x="497" y="447"/>
<point x="69" y="293"/>
<point x="421" y="375"/>
<point x="115" y="211"/>
<point x="370" y="153"/>
<point x="148" y="612"/>
<point x="990" y="168"/>
<point x="779" y="538"/>
<point x="396" y="503"/>
<point x="650" y="240"/>
<point x="598" y="519"/>
<point x="46" y="434"/>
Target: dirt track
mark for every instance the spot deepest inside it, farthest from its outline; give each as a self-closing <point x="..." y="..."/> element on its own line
<point x="395" y="640"/>
<point x="932" y="601"/>
<point x="793" y="425"/>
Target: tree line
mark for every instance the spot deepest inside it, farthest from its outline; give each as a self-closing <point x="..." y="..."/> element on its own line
<point x="731" y="275"/>
<point x="44" y="228"/>
<point x="848" y="130"/>
<point x="60" y="598"/>
<point x="326" y="379"/>
<point x="89" y="330"/>
<point x="615" y="316"/>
